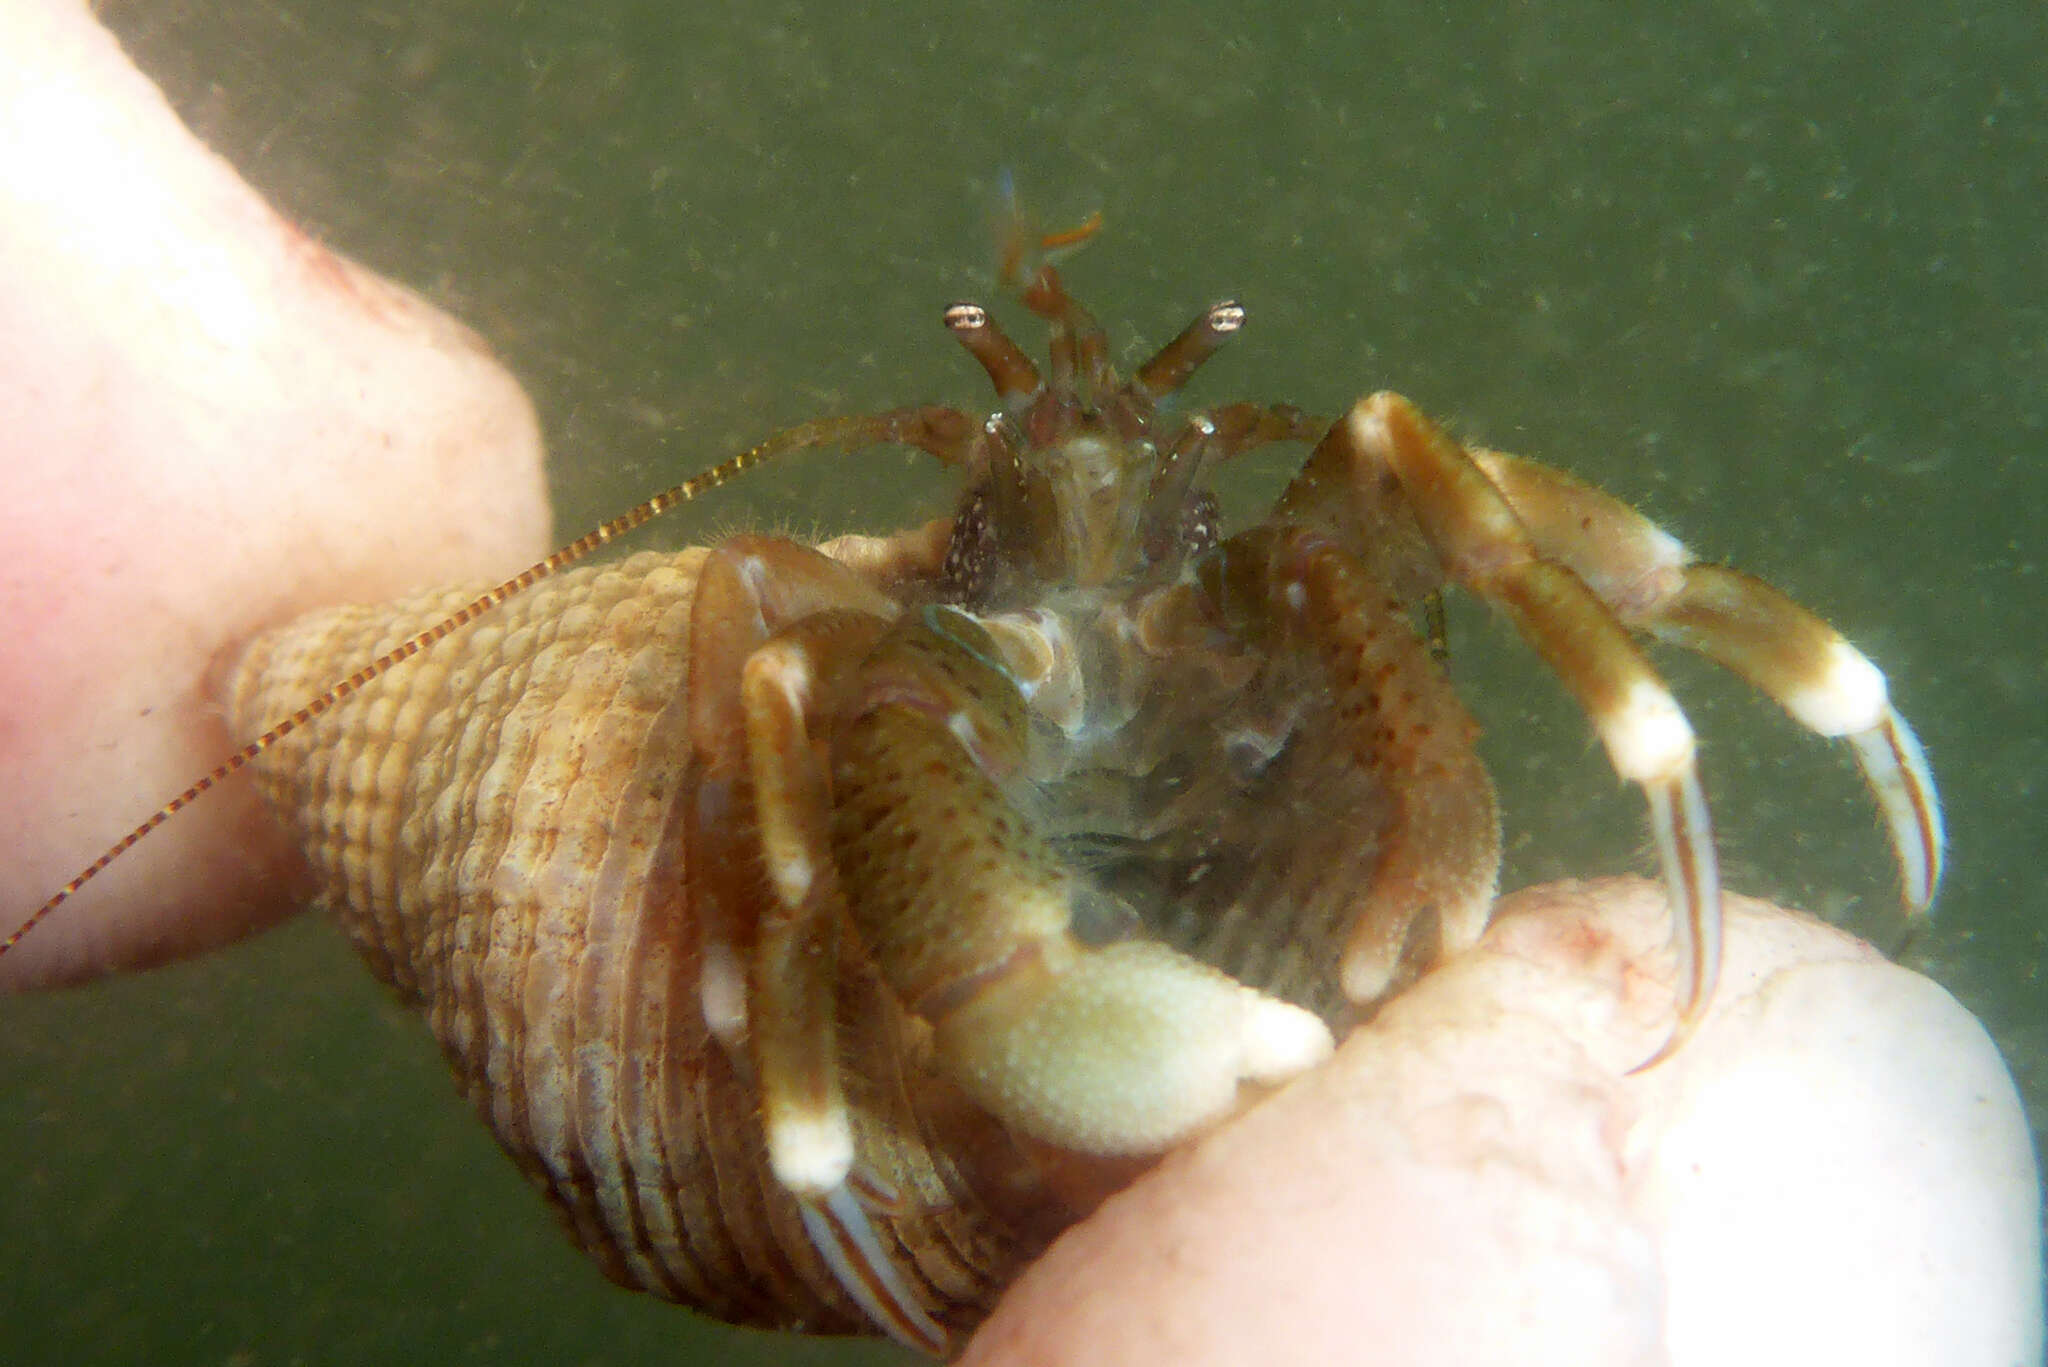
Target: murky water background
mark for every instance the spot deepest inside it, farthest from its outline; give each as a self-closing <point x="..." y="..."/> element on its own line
<point x="1774" y="273"/>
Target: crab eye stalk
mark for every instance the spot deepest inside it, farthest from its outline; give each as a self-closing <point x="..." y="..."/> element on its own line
<point x="1012" y="373"/>
<point x="1180" y="358"/>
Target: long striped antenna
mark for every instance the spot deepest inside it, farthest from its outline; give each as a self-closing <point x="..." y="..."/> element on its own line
<point x="823" y="432"/>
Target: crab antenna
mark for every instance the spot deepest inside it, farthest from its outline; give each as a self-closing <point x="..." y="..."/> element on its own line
<point x="1022" y="258"/>
<point x="1183" y="356"/>
<point x="825" y="432"/>
<point x="1009" y="369"/>
<point x="1047" y="297"/>
<point x="1077" y="344"/>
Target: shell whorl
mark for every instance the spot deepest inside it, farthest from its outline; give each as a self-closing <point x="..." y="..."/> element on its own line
<point x="495" y="824"/>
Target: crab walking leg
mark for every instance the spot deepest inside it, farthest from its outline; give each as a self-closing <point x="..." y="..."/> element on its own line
<point x="840" y="1230"/>
<point x="1750" y="628"/>
<point x="1485" y="547"/>
<point x="1828" y="686"/>
<point x="749" y="588"/>
<point x="810" y="1137"/>
<point x="1242" y="427"/>
<point x="752" y="585"/>
<point x="1117" y="1050"/>
<point x="1439" y="850"/>
<point x="796" y="950"/>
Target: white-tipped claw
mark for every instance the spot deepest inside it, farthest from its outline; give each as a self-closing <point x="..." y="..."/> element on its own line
<point x="1685" y="848"/>
<point x="840" y="1231"/>
<point x="1896" y="769"/>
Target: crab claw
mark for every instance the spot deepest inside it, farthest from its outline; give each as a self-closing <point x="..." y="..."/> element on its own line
<point x="1123" y="1050"/>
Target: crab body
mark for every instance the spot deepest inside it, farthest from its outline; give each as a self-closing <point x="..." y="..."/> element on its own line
<point x="824" y="928"/>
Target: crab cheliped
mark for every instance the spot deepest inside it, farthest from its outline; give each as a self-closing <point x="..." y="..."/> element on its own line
<point x="824" y="928"/>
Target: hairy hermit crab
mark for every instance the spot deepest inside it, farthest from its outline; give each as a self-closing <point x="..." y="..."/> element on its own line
<point x="824" y="928"/>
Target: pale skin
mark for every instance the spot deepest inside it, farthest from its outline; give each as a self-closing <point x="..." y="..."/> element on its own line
<point x="211" y="423"/>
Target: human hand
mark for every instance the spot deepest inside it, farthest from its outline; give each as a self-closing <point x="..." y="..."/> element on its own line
<point x="208" y="424"/>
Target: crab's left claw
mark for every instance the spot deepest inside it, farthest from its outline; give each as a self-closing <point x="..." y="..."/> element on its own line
<point x="1127" y="1049"/>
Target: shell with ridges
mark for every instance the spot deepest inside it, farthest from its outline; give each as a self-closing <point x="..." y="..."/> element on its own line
<point x="494" y="825"/>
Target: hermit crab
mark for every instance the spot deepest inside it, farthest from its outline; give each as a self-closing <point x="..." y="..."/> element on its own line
<point x="823" y="928"/>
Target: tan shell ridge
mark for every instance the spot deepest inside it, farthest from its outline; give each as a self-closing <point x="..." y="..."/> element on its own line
<point x="494" y="824"/>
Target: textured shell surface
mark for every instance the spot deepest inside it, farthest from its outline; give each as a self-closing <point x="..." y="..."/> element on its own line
<point x="494" y="828"/>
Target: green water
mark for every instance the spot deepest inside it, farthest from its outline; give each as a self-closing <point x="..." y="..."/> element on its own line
<point x="1772" y="272"/>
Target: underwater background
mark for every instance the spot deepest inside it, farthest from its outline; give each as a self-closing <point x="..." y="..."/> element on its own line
<point x="1773" y="273"/>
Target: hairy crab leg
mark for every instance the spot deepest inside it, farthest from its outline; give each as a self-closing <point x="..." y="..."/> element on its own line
<point x="810" y="1135"/>
<point x="1440" y="850"/>
<point x="839" y="1229"/>
<point x="783" y="620"/>
<point x="1484" y="546"/>
<point x="1745" y="625"/>
<point x="749" y="587"/>
<point x="741" y="586"/>
<point x="1828" y="686"/>
<point x="791" y="988"/>
<point x="795" y="1039"/>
